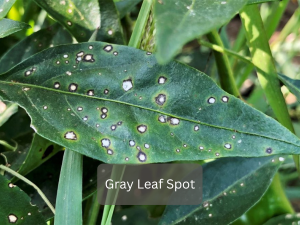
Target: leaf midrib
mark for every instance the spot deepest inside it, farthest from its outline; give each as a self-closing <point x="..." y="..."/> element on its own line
<point x="141" y="107"/>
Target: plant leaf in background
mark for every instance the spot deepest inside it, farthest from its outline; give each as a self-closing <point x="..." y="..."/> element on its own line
<point x="5" y="7"/>
<point x="82" y="18"/>
<point x="10" y="110"/>
<point x="180" y="21"/>
<point x="125" y="6"/>
<point x="287" y="219"/>
<point x="116" y="104"/>
<point x="9" y="27"/>
<point x="15" y="207"/>
<point x="231" y="187"/>
<point x="34" y="43"/>
<point x="292" y="85"/>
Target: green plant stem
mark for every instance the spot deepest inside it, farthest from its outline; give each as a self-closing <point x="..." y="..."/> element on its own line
<point x="8" y="146"/>
<point x="140" y="24"/>
<point x="43" y="196"/>
<point x="91" y="210"/>
<point x="223" y="65"/>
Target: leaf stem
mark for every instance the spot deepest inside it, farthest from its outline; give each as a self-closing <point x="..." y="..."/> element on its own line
<point x="43" y="196"/>
<point x="223" y="65"/>
<point x="91" y="210"/>
<point x="263" y="61"/>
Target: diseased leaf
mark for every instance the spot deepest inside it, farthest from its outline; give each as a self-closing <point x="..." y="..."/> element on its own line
<point x="287" y="219"/>
<point x="180" y="21"/>
<point x="15" y="207"/>
<point x="292" y="85"/>
<point x="82" y="18"/>
<point x="5" y="7"/>
<point x="35" y="43"/>
<point x="231" y="187"/>
<point x="125" y="6"/>
<point x="117" y="104"/>
<point x="9" y="27"/>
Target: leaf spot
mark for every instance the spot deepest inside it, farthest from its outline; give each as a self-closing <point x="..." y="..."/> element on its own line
<point x="80" y="108"/>
<point x="196" y="128"/>
<point x="113" y="127"/>
<point x="90" y="93"/>
<point x="105" y="143"/>
<point x="12" y="218"/>
<point x="174" y="121"/>
<point x="115" y="53"/>
<point x="142" y="128"/>
<point x="85" y="118"/>
<point x="131" y="143"/>
<point x="269" y="150"/>
<point x="108" y="48"/>
<point x="147" y="146"/>
<point x="160" y="99"/>
<point x="162" y="119"/>
<point x="45" y="107"/>
<point x="66" y="56"/>
<point x="88" y="58"/>
<point x="104" y="110"/>
<point x="142" y="157"/>
<point x="162" y="80"/>
<point x="211" y="100"/>
<point x="110" y="152"/>
<point x="127" y="84"/>
<point x="70" y="135"/>
<point x="73" y="87"/>
<point x="228" y="146"/>
<point x="225" y="99"/>
<point x="106" y="91"/>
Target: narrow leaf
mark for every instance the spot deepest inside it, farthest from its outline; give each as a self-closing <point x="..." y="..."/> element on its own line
<point x="9" y="27"/>
<point x="117" y="104"/>
<point x="15" y="206"/>
<point x="180" y="21"/>
<point x="69" y="193"/>
<point x="287" y="219"/>
<point x="292" y="84"/>
<point x="125" y="6"/>
<point x="232" y="186"/>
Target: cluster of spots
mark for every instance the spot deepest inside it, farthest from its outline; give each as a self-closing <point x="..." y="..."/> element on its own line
<point x="212" y="100"/>
<point x="12" y="218"/>
<point x="104" y="113"/>
<point x="127" y="84"/>
<point x="29" y="72"/>
<point x="114" y="126"/>
<point x="142" y="128"/>
<point x="142" y="157"/>
<point x="70" y="135"/>
<point x="164" y="119"/>
<point x="160" y="99"/>
<point x="105" y="144"/>
<point x="162" y="80"/>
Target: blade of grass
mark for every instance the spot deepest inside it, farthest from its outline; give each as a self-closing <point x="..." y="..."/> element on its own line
<point x="263" y="61"/>
<point x="91" y="211"/>
<point x="69" y="193"/>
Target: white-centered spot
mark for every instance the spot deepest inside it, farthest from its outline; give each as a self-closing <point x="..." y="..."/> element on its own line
<point x="142" y="128"/>
<point x="126" y="158"/>
<point x="225" y="99"/>
<point x="281" y="159"/>
<point x="66" y="56"/>
<point x="211" y="100"/>
<point x="131" y="143"/>
<point x="196" y="128"/>
<point x="105" y="143"/>
<point x="11" y="185"/>
<point x="79" y="58"/>
<point x="79" y="108"/>
<point x="91" y="47"/>
<point x="88" y="58"/>
<point x="108" y="48"/>
<point x="162" y="80"/>
<point x="57" y="62"/>
<point x="160" y="99"/>
<point x="228" y="146"/>
<point x="69" y="10"/>
<point x="85" y="118"/>
<point x="124" y="218"/>
<point x="67" y="62"/>
<point x="104" y="110"/>
<point x="148" y="53"/>
<point x="147" y="146"/>
<point x="69" y="23"/>
<point x="106" y="91"/>
<point x="103" y="116"/>
<point x="174" y="121"/>
<point x="110" y="32"/>
<point x="25" y="89"/>
<point x="97" y="125"/>
<point x="177" y="150"/>
<point x="142" y="156"/>
<point x="80" y="53"/>
<point x="12" y="218"/>
<point x="27" y="73"/>
<point x="233" y="136"/>
<point x="116" y="53"/>
<point x="110" y="152"/>
<point x="113" y="127"/>
<point x="45" y="107"/>
<point x="90" y="93"/>
<point x="217" y="154"/>
<point x="73" y="87"/>
<point x="201" y="147"/>
<point x="127" y="85"/>
<point x="162" y="119"/>
<point x="69" y="73"/>
<point x="70" y="135"/>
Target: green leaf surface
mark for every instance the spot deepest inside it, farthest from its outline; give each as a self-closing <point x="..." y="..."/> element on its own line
<point x="69" y="193"/>
<point x="10" y="110"/>
<point x="288" y="219"/>
<point x="231" y="186"/>
<point x="82" y="18"/>
<point x="260" y="1"/>
<point x="8" y="27"/>
<point x="292" y="84"/>
<point x="15" y="207"/>
<point x="125" y="6"/>
<point x="5" y="6"/>
<point x="33" y="44"/>
<point x="180" y="21"/>
<point x="117" y="104"/>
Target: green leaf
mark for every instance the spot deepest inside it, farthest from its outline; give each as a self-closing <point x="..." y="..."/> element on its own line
<point x="133" y="216"/>
<point x="10" y="110"/>
<point x="9" y="27"/>
<point x="117" y="104"/>
<point x="29" y="155"/>
<point x="292" y="84"/>
<point x="33" y="44"/>
<point x="69" y="193"/>
<point x="260" y="1"/>
<point x="287" y="219"/>
<point x="15" y="206"/>
<point x="5" y="7"/>
<point x="82" y="18"/>
<point x="180" y="21"/>
<point x="231" y="187"/>
<point x="125" y="6"/>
